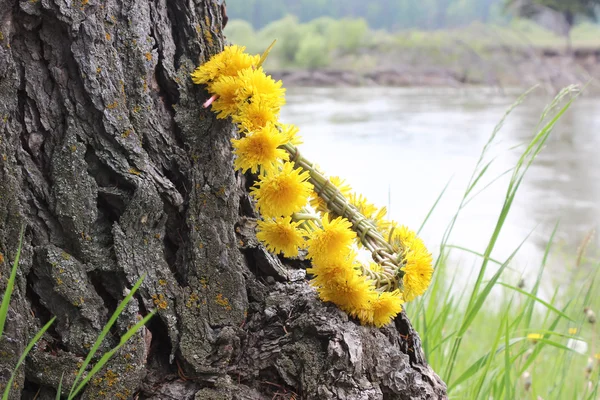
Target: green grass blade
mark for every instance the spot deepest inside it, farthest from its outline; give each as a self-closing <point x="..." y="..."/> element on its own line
<point x="59" y="388"/>
<point x="30" y="345"/>
<point x="507" y="363"/>
<point x="108" y="355"/>
<point x="105" y="332"/>
<point x="433" y="207"/>
<point x="10" y="284"/>
<point x="535" y="298"/>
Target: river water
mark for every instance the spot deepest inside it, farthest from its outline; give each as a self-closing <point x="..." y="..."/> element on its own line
<point x="401" y="146"/>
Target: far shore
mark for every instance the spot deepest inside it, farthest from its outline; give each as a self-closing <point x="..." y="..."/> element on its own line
<point x="547" y="67"/>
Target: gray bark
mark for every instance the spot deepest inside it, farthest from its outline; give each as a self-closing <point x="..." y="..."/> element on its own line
<point x="107" y="157"/>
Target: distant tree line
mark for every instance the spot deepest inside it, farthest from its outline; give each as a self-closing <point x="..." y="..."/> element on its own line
<point x="380" y="14"/>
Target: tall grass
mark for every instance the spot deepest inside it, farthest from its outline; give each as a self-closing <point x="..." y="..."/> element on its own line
<point x="479" y="343"/>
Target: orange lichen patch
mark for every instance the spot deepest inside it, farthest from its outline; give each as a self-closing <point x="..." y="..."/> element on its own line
<point x="162" y="282"/>
<point x="157" y="236"/>
<point x="134" y="171"/>
<point x="59" y="281"/>
<point x="126" y="133"/>
<point x="98" y="70"/>
<point x="1" y="258"/>
<point x="110" y="377"/>
<point x="160" y="301"/>
<point x="112" y="105"/>
<point x="148" y="56"/>
<point x="137" y="109"/>
<point x="192" y="300"/>
<point x="107" y="36"/>
<point x="73" y="148"/>
<point x="208" y="37"/>
<point x="204" y="282"/>
<point x="84" y="2"/>
<point x="223" y="301"/>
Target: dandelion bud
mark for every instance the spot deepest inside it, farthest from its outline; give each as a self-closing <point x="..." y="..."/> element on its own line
<point x="590" y="315"/>
<point x="526" y="381"/>
<point x="589" y="367"/>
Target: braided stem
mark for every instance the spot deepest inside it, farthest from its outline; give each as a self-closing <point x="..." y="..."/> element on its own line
<point x="390" y="276"/>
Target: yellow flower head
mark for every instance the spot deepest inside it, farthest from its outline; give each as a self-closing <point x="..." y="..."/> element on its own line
<point x="337" y="270"/>
<point x="417" y="269"/>
<point x="227" y="63"/>
<point x="353" y="294"/>
<point x="332" y="242"/>
<point x="386" y="307"/>
<point x="256" y="114"/>
<point x="284" y="193"/>
<point x="572" y="331"/>
<point x="256" y="84"/>
<point x="362" y="205"/>
<point x="226" y="87"/>
<point x="281" y="235"/>
<point x="401" y="237"/>
<point x="260" y="148"/>
<point x="534" y="337"/>
<point x="319" y="204"/>
<point x="291" y="133"/>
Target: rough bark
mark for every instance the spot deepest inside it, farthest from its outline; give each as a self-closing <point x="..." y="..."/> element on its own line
<point x="116" y="171"/>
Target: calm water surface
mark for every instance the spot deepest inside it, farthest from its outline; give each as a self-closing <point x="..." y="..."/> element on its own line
<point x="400" y="147"/>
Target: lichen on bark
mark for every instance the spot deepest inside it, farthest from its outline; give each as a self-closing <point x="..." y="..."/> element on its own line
<point x="117" y="172"/>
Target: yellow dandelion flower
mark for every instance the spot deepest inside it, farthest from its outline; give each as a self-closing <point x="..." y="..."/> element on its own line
<point x="281" y="235"/>
<point x="353" y="294"/>
<point x="283" y="193"/>
<point x="534" y="337"/>
<point x="227" y="63"/>
<point x="260" y="148"/>
<point x="253" y="115"/>
<point x="378" y="219"/>
<point x="417" y="271"/>
<point x="291" y="134"/>
<point x="319" y="204"/>
<point x="362" y="204"/>
<point x="386" y="307"/>
<point x="332" y="242"/>
<point x="337" y="270"/>
<point x="226" y="87"/>
<point x="572" y="331"/>
<point x="373" y="266"/>
<point x="401" y="237"/>
<point x="256" y="84"/>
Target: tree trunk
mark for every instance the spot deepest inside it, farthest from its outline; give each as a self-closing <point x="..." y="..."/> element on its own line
<point x="116" y="170"/>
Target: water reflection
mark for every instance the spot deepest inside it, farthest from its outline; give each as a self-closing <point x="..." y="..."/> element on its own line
<point x="402" y="146"/>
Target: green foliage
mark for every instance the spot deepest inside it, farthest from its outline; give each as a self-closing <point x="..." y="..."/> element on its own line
<point x="313" y="52"/>
<point x="379" y="14"/>
<point x="288" y="33"/>
<point x="569" y="9"/>
<point x="348" y="34"/>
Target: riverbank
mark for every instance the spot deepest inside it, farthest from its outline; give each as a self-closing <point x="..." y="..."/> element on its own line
<point x="500" y="67"/>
